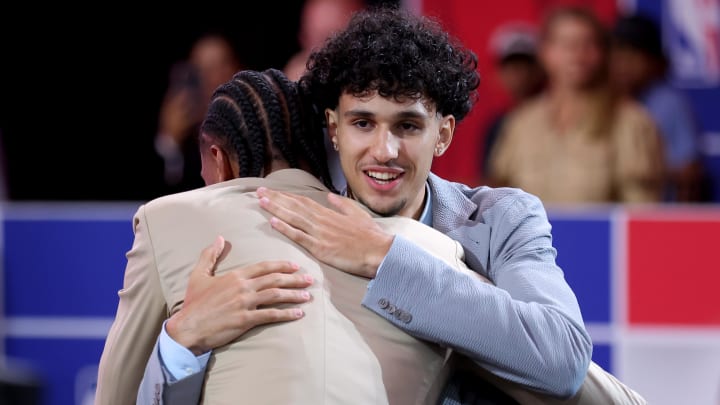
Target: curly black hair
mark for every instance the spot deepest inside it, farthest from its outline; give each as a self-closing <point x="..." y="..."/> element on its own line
<point x="256" y="110"/>
<point x="398" y="54"/>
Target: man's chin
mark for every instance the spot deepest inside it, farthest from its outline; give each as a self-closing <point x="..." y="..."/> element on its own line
<point x="381" y="208"/>
<point x="385" y="210"/>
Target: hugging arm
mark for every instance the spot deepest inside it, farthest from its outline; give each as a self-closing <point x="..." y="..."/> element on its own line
<point x="216" y="311"/>
<point x="527" y="328"/>
<point x="140" y="312"/>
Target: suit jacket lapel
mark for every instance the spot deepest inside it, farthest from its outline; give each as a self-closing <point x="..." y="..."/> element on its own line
<point x="456" y="216"/>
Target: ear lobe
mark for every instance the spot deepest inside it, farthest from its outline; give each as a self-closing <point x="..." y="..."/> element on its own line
<point x="445" y="134"/>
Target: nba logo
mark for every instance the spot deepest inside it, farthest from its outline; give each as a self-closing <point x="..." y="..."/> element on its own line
<point x="691" y="30"/>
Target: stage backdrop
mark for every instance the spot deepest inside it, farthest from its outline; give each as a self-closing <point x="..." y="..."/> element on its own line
<point x="646" y="280"/>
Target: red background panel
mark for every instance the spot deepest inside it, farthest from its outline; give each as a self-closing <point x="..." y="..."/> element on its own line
<point x="673" y="271"/>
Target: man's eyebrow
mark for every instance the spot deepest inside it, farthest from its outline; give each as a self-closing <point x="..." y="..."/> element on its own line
<point x="411" y="115"/>
<point x="358" y="113"/>
<point x="399" y="116"/>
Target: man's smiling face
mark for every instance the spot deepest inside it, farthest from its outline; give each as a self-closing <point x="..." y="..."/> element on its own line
<point x="386" y="148"/>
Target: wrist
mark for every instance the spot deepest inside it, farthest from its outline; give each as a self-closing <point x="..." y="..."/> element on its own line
<point x="376" y="258"/>
<point x="183" y="335"/>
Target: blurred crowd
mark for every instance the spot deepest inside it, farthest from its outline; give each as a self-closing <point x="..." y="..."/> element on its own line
<point x="594" y="117"/>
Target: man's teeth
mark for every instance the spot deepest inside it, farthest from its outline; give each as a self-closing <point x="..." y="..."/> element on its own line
<point x="382" y="176"/>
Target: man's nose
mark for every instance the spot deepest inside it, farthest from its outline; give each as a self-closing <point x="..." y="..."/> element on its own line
<point x="385" y="146"/>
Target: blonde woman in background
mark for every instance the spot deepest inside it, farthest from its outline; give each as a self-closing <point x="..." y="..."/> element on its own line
<point x="577" y="142"/>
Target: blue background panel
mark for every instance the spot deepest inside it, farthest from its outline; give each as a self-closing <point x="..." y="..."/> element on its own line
<point x="67" y="367"/>
<point x="602" y="355"/>
<point x="64" y="267"/>
<point x="584" y="254"/>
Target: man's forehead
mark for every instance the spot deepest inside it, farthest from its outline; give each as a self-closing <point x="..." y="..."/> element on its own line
<point x="373" y="103"/>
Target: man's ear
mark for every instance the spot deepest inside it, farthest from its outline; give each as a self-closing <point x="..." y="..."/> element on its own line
<point x="332" y="124"/>
<point x="445" y="134"/>
<point x="224" y="167"/>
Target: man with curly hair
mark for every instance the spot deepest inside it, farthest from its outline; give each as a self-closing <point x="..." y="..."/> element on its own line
<point x="392" y="88"/>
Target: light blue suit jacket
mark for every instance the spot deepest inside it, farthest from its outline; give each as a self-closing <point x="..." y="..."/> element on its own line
<point x="526" y="328"/>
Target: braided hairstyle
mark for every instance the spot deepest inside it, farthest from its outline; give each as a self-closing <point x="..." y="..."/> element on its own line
<point x="258" y="117"/>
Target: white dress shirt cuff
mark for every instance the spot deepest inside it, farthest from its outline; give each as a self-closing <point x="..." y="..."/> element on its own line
<point x="177" y="360"/>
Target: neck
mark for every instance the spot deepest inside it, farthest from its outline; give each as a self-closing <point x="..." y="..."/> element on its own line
<point x="568" y="106"/>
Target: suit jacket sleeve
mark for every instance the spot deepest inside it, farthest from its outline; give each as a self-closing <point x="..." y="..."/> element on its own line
<point x="156" y="389"/>
<point x="528" y="329"/>
<point x="140" y="313"/>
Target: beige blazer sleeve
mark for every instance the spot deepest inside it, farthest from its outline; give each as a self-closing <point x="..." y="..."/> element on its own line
<point x="140" y="313"/>
<point x="599" y="388"/>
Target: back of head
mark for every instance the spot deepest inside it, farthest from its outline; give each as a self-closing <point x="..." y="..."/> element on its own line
<point x="641" y="33"/>
<point x="398" y="54"/>
<point x="514" y="41"/>
<point x="582" y="14"/>
<point x="214" y="57"/>
<point x="574" y="48"/>
<point x="514" y="46"/>
<point x="321" y="18"/>
<point x="259" y="117"/>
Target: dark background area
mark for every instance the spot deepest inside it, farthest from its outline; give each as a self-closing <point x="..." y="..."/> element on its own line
<point x="80" y="88"/>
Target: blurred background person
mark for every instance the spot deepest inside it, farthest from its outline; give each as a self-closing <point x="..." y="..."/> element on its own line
<point x="318" y="20"/>
<point x="212" y="61"/>
<point x="577" y="142"/>
<point x="3" y="171"/>
<point x="514" y="47"/>
<point x="639" y="68"/>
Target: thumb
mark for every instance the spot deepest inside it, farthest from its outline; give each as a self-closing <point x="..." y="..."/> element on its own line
<point x="209" y="256"/>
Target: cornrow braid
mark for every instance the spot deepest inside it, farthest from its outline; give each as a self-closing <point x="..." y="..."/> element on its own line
<point x="225" y="117"/>
<point x="273" y="117"/>
<point x="257" y="129"/>
<point x="293" y="113"/>
<point x="256" y="112"/>
<point x="287" y="101"/>
<point x="307" y="135"/>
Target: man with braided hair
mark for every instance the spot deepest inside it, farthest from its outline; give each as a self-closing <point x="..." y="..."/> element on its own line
<point x="273" y="331"/>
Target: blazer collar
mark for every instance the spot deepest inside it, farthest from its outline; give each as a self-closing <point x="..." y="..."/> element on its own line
<point x="284" y="179"/>
<point x="451" y="208"/>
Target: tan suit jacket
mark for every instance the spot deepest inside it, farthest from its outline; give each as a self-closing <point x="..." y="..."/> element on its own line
<point x="598" y="388"/>
<point x="339" y="352"/>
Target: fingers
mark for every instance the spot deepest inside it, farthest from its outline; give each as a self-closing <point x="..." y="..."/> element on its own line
<point x="217" y="249"/>
<point x="268" y="283"/>
<point x="296" y="235"/>
<point x="297" y="211"/>
<point x="208" y="258"/>
<point x="260" y="269"/>
<point x="273" y="315"/>
<point x="280" y="280"/>
<point x="219" y="245"/>
<point x="274" y="296"/>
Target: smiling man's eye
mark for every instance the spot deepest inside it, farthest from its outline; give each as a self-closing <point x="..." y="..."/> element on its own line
<point x="408" y="126"/>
